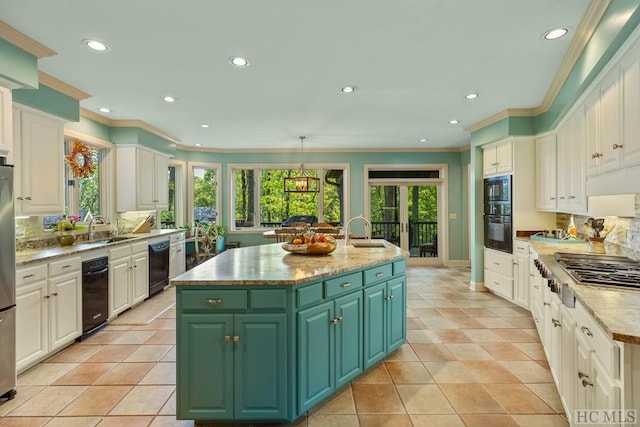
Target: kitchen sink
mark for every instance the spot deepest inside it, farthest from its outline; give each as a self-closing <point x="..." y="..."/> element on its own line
<point x="111" y="240"/>
<point x="367" y="244"/>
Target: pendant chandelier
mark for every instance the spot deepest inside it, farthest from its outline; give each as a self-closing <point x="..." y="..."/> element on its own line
<point x="302" y="183"/>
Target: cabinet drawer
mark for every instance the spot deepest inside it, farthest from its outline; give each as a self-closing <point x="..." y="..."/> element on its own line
<point x="176" y="237"/>
<point x="499" y="284"/>
<point x="140" y="247"/>
<point x="498" y="262"/>
<point x="399" y="267"/>
<point x="31" y="274"/>
<point x="377" y="274"/>
<point x="606" y="350"/>
<point x="213" y="300"/>
<point x="520" y="247"/>
<point x="268" y="299"/>
<point x="342" y="284"/>
<point x="309" y="295"/>
<point x="119" y="252"/>
<point x="65" y="265"/>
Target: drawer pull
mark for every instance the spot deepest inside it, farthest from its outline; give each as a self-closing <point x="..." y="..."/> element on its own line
<point x="345" y="285"/>
<point x="27" y="276"/>
<point x="496" y="283"/>
<point x="227" y="338"/>
<point x="214" y="301"/>
<point x="496" y="263"/>
<point x="66" y="266"/>
<point x="586" y="331"/>
<point x="616" y="146"/>
<point x="379" y="274"/>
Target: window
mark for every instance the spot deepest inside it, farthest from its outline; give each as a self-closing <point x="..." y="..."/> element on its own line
<point x="168" y="217"/>
<point x="259" y="200"/>
<point x="203" y="186"/>
<point x="82" y="195"/>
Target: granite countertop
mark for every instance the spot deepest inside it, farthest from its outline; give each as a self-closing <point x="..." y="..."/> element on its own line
<point x="616" y="310"/>
<point x="272" y="265"/>
<point x="46" y="254"/>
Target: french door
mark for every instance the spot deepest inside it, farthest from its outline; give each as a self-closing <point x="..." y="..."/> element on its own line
<point x="406" y="214"/>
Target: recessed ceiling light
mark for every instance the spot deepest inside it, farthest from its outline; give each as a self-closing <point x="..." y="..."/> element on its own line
<point x="556" y="33"/>
<point x="471" y="96"/>
<point x="96" y="45"/>
<point x="169" y="99"/>
<point x="239" y="61"/>
<point x="104" y="110"/>
<point x="454" y="122"/>
<point x="198" y="145"/>
<point x="348" y="89"/>
<point x="204" y="125"/>
<point x="423" y="140"/>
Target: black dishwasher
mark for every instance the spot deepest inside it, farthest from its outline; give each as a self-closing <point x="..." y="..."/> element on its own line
<point x="95" y="294"/>
<point x="158" y="266"/>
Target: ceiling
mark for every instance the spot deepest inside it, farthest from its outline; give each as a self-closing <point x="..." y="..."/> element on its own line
<point x="412" y="62"/>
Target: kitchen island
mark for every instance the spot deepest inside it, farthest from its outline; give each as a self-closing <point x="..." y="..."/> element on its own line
<point x="264" y="335"/>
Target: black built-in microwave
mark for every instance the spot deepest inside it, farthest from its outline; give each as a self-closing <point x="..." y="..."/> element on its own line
<point x="498" y="233"/>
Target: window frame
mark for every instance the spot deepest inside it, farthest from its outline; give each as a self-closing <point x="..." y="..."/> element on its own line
<point x="190" y="193"/>
<point x="258" y="167"/>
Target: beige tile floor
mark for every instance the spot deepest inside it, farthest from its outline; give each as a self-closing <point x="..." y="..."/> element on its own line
<point x="472" y="359"/>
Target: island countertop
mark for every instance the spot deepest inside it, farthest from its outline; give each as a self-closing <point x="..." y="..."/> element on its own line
<point x="272" y="265"/>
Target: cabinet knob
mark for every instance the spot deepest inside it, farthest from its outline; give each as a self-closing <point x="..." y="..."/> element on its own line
<point x="572" y="197"/>
<point x="213" y="301"/>
<point x="552" y="198"/>
<point x="333" y="321"/>
<point x="55" y="294"/>
<point x="616" y="146"/>
<point x="586" y="331"/>
<point x="28" y="198"/>
<point x="561" y="197"/>
<point x="547" y="304"/>
<point x="586" y="383"/>
<point x="389" y="297"/>
<point x="236" y="338"/>
<point x="556" y="323"/>
<point x="536" y="286"/>
<point x="227" y="338"/>
<point x="582" y="375"/>
<point x="47" y="296"/>
<point x="20" y="198"/>
<point x="596" y="155"/>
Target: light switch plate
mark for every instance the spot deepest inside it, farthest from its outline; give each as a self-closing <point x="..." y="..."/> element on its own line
<point x="453" y="216"/>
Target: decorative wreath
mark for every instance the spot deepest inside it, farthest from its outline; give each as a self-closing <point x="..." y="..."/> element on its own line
<point x="79" y="159"/>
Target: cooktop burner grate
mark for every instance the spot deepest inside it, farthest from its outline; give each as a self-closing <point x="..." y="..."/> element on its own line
<point x="601" y="269"/>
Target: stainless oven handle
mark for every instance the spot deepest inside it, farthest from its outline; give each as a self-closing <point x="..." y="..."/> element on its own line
<point x="95" y="273"/>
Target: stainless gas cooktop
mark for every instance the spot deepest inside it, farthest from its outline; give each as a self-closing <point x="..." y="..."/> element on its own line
<point x="601" y="270"/>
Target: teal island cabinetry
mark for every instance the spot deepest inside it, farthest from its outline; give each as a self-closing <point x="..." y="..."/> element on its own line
<point x="264" y="336"/>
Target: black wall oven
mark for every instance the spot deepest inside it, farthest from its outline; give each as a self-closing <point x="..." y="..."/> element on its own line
<point x="498" y="233"/>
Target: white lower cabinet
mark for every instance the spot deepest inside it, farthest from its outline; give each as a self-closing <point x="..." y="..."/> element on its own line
<point x="498" y="272"/>
<point x="49" y="309"/>
<point x="521" y="275"/>
<point x="177" y="255"/>
<point x="128" y="276"/>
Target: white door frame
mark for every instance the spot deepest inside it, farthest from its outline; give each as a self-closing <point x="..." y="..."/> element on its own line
<point x="441" y="182"/>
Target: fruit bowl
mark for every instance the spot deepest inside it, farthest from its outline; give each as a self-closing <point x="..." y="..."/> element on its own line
<point x="321" y="248"/>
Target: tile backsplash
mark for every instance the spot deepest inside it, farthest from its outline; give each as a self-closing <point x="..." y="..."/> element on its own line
<point x="623" y="240"/>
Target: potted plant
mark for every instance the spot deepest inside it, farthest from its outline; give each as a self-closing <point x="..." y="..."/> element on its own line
<point x="187" y="230"/>
<point x="220" y="231"/>
<point x="63" y="229"/>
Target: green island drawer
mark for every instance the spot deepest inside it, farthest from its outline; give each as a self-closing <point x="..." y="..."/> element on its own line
<point x="378" y="273"/>
<point x="342" y="284"/>
<point x="213" y="300"/>
<point x="309" y="295"/>
<point x="261" y="299"/>
<point x="399" y="267"/>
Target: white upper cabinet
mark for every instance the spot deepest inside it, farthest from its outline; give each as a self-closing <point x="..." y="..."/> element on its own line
<point x="142" y="179"/>
<point x="546" y="190"/>
<point x="39" y="158"/>
<point x="6" y="125"/>
<point x="570" y="150"/>
<point x="497" y="159"/>
<point x="630" y="90"/>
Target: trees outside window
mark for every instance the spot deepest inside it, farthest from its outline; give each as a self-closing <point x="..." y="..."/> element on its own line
<point x="204" y="184"/>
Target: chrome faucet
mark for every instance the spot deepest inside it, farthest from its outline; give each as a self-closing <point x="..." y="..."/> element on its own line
<point x="346" y="228"/>
<point x="94" y="220"/>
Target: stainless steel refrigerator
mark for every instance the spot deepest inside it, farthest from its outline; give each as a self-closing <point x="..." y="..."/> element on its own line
<point x="7" y="285"/>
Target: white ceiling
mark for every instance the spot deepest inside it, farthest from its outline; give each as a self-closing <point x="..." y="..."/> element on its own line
<point x="412" y="62"/>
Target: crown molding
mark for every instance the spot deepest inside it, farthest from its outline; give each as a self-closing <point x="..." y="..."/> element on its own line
<point x="60" y="86"/>
<point x="24" y="42"/>
<point x="127" y="123"/>
<point x="323" y="150"/>
<point x="509" y="112"/>
<point x="583" y="33"/>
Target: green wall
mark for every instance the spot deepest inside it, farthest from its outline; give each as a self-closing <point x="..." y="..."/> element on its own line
<point x="17" y="65"/>
<point x="50" y="101"/>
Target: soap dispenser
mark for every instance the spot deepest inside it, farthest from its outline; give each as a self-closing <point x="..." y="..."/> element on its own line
<point x="571" y="229"/>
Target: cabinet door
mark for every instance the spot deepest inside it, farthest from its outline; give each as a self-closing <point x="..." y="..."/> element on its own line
<point x="583" y="352"/>
<point x="145" y="179"/>
<point x="546" y="173"/>
<point x="316" y="355"/>
<point x="348" y="338"/>
<point x="162" y="182"/>
<point x="605" y="392"/>
<point x="177" y="259"/>
<point x="6" y="125"/>
<point x="396" y="314"/>
<point x="555" y="341"/>
<point x="489" y="160"/>
<point x="375" y="321"/>
<point x="610" y="118"/>
<point x="205" y="366"/>
<point x="65" y="311"/>
<point x="119" y="279"/>
<point x="41" y="154"/>
<point x="31" y="323"/>
<point x="576" y="155"/>
<point x="630" y="68"/>
<point x="260" y="366"/>
<point x="592" y="132"/>
<point x="140" y="284"/>
<point x="504" y="158"/>
<point x="568" y="362"/>
<point x="521" y="276"/>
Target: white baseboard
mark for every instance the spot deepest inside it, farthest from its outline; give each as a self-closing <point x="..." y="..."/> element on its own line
<point x="458" y="263"/>
<point x="477" y="286"/>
